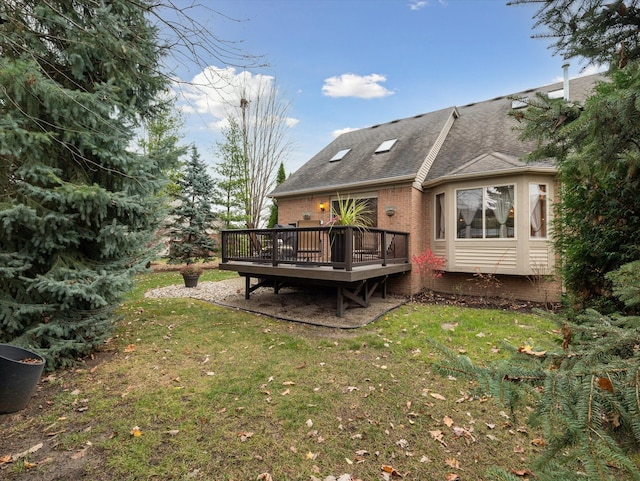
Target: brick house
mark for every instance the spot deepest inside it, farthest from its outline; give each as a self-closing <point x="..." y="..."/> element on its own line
<point x="457" y="181"/>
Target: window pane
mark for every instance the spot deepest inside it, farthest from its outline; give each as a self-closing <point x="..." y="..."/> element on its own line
<point x="499" y="212"/>
<point x="538" y="210"/>
<point x="372" y="207"/>
<point x="439" y="216"/>
<point x="469" y="211"/>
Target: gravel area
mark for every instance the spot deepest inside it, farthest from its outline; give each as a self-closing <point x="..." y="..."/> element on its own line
<point x="206" y="291"/>
<point x="316" y="306"/>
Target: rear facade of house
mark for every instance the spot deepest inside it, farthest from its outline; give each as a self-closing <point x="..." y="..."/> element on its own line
<point x="457" y="181"/>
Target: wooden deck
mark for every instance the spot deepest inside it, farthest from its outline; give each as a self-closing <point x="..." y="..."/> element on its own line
<point x="355" y="263"/>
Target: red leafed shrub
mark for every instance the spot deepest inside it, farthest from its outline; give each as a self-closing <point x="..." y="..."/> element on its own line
<point x="429" y="265"/>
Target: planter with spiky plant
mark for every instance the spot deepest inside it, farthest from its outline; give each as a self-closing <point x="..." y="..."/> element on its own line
<point x="347" y="213"/>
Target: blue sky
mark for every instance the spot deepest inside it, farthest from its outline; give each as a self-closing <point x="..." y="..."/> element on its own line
<point x="347" y="64"/>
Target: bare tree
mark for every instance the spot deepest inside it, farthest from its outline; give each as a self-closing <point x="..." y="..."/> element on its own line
<point x="264" y="125"/>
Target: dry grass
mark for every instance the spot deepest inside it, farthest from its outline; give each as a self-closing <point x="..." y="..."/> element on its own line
<point x="225" y="395"/>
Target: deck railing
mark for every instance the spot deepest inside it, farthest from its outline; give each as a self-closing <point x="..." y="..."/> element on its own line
<point x="340" y="246"/>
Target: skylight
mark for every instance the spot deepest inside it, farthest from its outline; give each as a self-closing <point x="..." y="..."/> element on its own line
<point x="386" y="146"/>
<point x="339" y="155"/>
<point x="519" y="103"/>
<point x="556" y="94"/>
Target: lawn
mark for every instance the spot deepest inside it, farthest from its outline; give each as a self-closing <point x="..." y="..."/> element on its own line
<point x="188" y="390"/>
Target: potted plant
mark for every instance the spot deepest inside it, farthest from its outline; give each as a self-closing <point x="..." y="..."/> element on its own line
<point x="347" y="212"/>
<point x="190" y="274"/>
<point x="20" y="371"/>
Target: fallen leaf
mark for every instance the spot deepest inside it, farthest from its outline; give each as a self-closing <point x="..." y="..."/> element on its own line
<point x="264" y="477"/>
<point x="288" y="383"/>
<point x="605" y="383"/>
<point x="447" y="421"/>
<point x="244" y="436"/>
<point x="538" y="442"/>
<point x="522" y="472"/>
<point x="285" y="392"/>
<point x="451" y="477"/>
<point x="79" y="454"/>
<point x="136" y="432"/>
<point x="31" y="450"/>
<point x="29" y="465"/>
<point x="518" y="449"/>
<point x="173" y="432"/>
<point x="437" y="396"/>
<point x="391" y="470"/>
<point x="311" y="455"/>
<point x="452" y="463"/>
<point x="130" y="348"/>
<point x="403" y="443"/>
<point x="437" y="435"/>
<point x="529" y="351"/>
<point x="309" y="423"/>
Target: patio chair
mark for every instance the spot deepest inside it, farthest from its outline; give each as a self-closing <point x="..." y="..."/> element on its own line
<point x="257" y="249"/>
<point x="366" y="245"/>
<point x="309" y="242"/>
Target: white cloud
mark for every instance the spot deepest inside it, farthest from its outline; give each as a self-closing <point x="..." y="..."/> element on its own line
<point x="215" y="93"/>
<point x="417" y="5"/>
<point x="352" y="85"/>
<point x="339" y="132"/>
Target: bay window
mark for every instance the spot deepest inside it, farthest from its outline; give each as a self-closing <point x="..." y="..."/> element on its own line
<point x="486" y="213"/>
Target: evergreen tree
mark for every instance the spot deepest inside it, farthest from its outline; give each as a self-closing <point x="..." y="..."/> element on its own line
<point x="586" y="393"/>
<point x="280" y="178"/>
<point x="600" y="31"/>
<point x="161" y="143"/>
<point x="191" y="229"/>
<point x="231" y="194"/>
<point x="77" y="207"/>
<point x="595" y="146"/>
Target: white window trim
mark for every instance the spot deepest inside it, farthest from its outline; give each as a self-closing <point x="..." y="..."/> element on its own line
<point x="546" y="212"/>
<point x="484" y="228"/>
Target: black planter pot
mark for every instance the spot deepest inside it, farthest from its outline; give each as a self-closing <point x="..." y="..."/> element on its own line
<point x="18" y="379"/>
<point x="338" y="251"/>
<point x="190" y="280"/>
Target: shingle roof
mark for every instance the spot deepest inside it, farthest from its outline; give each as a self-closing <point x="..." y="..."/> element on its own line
<point x="481" y="139"/>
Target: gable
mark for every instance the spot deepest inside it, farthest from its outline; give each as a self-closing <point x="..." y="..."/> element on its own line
<point x="494" y="161"/>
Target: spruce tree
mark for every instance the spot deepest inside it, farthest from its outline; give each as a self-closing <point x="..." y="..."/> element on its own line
<point x="77" y="207"/>
<point x="595" y="145"/>
<point x="191" y="229"/>
<point x="586" y="391"/>
<point x="231" y="194"/>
